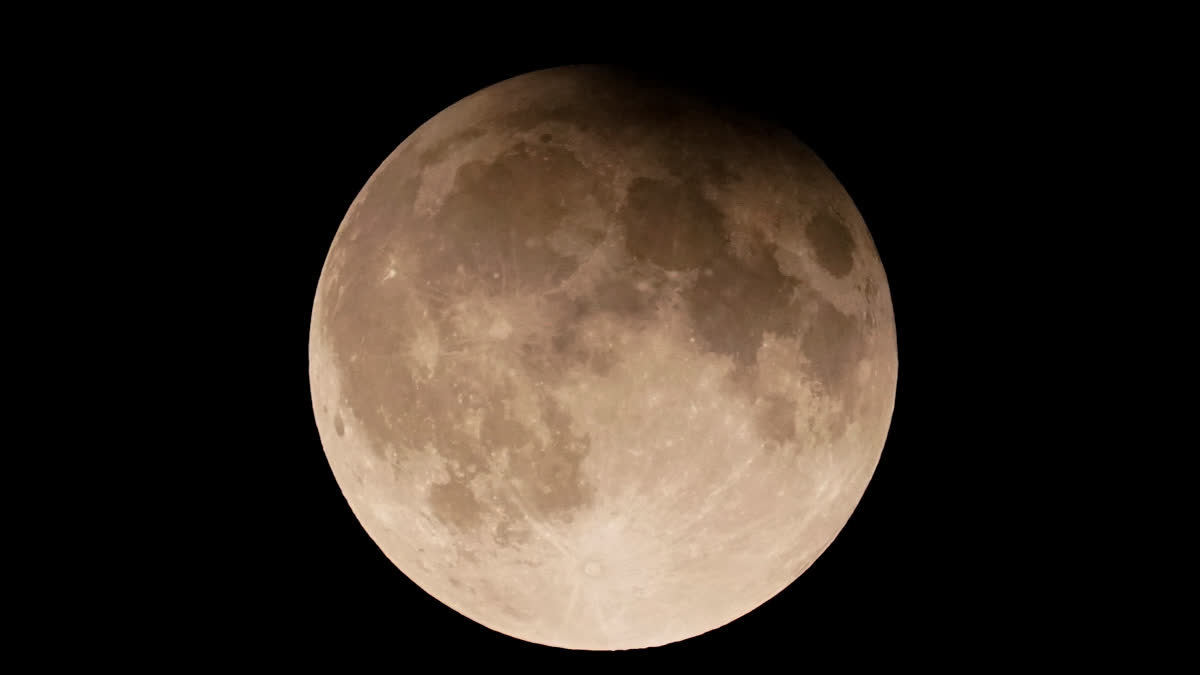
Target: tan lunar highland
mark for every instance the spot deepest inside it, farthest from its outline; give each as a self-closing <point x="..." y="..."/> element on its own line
<point x="601" y="366"/>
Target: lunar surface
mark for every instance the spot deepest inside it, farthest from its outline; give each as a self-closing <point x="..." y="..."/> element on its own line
<point x="601" y="366"/>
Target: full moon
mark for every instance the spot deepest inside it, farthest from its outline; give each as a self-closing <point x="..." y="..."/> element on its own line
<point x="600" y="364"/>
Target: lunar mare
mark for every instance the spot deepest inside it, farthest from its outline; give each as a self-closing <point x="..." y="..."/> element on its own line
<point x="600" y="365"/>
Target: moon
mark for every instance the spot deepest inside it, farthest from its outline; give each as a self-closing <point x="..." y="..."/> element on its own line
<point x="602" y="365"/>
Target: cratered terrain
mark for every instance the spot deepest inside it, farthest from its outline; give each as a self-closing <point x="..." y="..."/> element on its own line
<point x="599" y="364"/>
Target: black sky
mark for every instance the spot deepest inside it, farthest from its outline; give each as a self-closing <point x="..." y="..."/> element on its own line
<point x="177" y="175"/>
